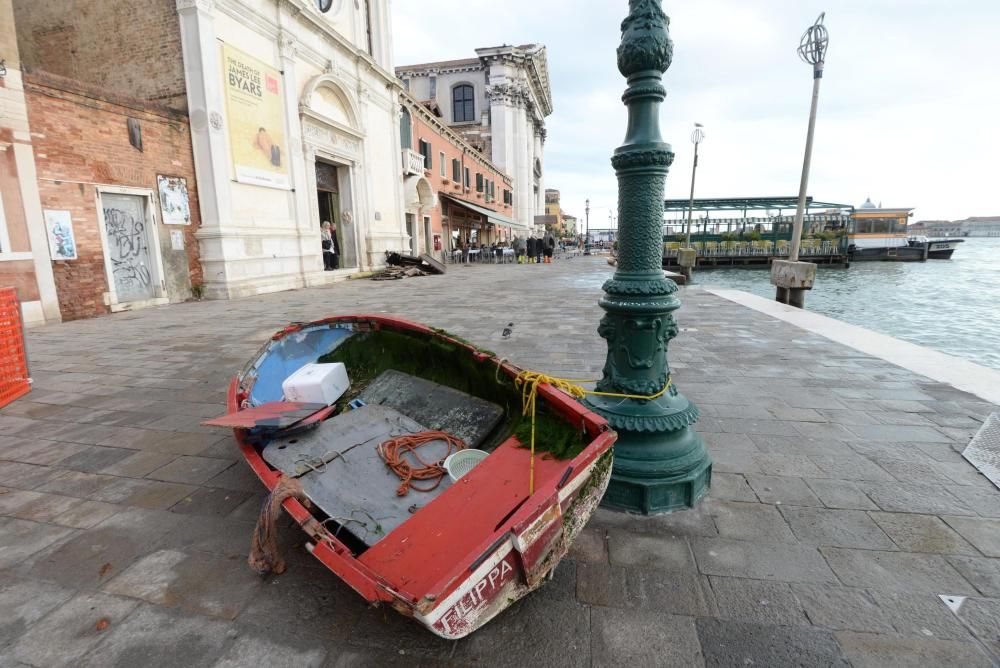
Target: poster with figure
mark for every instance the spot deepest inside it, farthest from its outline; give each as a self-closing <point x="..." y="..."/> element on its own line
<point x="174" y="200"/>
<point x="59" y="226"/>
<point x="256" y="119"/>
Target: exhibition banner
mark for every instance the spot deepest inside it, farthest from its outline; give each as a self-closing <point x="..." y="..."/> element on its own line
<point x="256" y="116"/>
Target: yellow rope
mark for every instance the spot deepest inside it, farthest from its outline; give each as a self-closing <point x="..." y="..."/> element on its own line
<point x="528" y="382"/>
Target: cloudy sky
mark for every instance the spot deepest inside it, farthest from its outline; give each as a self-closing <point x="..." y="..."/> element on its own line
<point x="909" y="106"/>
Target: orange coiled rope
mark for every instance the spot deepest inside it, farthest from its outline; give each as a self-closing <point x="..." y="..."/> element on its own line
<point x="394" y="453"/>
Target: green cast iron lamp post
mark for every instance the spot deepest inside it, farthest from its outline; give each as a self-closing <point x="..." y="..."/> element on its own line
<point x="661" y="463"/>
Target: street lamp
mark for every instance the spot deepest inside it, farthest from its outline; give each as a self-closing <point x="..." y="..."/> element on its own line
<point x="791" y="277"/>
<point x="697" y="136"/>
<point x="586" y="238"/>
<point x="660" y="463"/>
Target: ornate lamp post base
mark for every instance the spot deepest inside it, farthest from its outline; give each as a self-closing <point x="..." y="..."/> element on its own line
<point x="661" y="464"/>
<point x="658" y="472"/>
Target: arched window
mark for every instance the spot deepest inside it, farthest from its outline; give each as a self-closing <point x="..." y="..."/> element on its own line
<point x="463" y="103"/>
<point x="405" y="129"/>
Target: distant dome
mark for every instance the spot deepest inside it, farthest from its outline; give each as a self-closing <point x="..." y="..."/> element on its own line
<point x="868" y="204"/>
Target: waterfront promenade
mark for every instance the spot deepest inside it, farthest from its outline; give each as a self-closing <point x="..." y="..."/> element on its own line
<point x="840" y="508"/>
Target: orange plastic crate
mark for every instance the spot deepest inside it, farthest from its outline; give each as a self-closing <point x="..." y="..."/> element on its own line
<point x="14" y="381"/>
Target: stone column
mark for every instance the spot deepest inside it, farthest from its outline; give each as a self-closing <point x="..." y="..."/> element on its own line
<point x="661" y="463"/>
<point x="307" y="235"/>
<point x="206" y="109"/>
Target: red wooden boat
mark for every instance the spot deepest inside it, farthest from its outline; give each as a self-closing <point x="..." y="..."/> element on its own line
<point x="457" y="555"/>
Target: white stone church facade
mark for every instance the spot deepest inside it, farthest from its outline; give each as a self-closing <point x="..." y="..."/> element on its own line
<point x="337" y="139"/>
<point x="498" y="102"/>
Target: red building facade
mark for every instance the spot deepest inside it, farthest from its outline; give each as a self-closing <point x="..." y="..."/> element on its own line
<point x="454" y="196"/>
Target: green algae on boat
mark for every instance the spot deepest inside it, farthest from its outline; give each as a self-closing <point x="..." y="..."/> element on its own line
<point x="368" y="354"/>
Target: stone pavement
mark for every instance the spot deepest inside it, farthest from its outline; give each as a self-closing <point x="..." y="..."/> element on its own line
<point x="840" y="507"/>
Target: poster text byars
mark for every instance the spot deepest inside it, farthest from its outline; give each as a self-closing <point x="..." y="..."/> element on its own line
<point x="256" y="114"/>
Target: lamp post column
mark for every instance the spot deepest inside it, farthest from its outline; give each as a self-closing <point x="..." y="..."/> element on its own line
<point x="661" y="463"/>
<point x="790" y="277"/>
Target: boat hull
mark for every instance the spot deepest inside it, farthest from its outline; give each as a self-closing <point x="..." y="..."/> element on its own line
<point x="509" y="561"/>
<point x="888" y="254"/>
<point x="942" y="249"/>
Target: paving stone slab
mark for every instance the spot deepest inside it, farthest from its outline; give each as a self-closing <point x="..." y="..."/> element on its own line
<point x="151" y="494"/>
<point x="757" y="601"/>
<point x="663" y="552"/>
<point x="225" y="536"/>
<point x="74" y="483"/>
<point x="798" y="466"/>
<point x="849" y="466"/>
<point x="838" y="528"/>
<point x="982" y="572"/>
<point x="676" y="592"/>
<point x="923" y="615"/>
<point x="896" y="433"/>
<point x="695" y="522"/>
<point x="86" y="514"/>
<point x="72" y="630"/>
<point x="922" y="533"/>
<point x="304" y="602"/>
<point x="869" y="650"/>
<point x="749" y="521"/>
<point x="800" y="445"/>
<point x="98" y="554"/>
<point x="782" y="562"/>
<point x="250" y="651"/>
<point x="781" y="490"/>
<point x="902" y="571"/>
<point x="20" y="539"/>
<point x="238" y="477"/>
<point x="138" y="464"/>
<point x="46" y="508"/>
<point x="199" y="583"/>
<point x="842" y="608"/>
<point x="156" y="636"/>
<point x="981" y="532"/>
<point x="590" y="545"/>
<point x="731" y="487"/>
<point x="730" y="643"/>
<point x="842" y="494"/>
<point x="982" y="616"/>
<point x="901" y="497"/>
<point x="640" y="638"/>
<point x="24" y="601"/>
<point x="190" y="470"/>
<point x="95" y="458"/>
<point x="209" y="501"/>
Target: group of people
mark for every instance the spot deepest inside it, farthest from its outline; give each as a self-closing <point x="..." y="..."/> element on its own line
<point x="535" y="250"/>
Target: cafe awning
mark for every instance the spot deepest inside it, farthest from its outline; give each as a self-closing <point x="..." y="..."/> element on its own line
<point x="491" y="216"/>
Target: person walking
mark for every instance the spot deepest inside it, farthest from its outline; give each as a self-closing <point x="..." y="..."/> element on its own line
<point x="326" y="241"/>
<point x="548" y="246"/>
<point x="531" y="249"/>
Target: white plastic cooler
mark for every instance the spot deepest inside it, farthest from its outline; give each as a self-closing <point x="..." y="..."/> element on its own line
<point x="317" y="384"/>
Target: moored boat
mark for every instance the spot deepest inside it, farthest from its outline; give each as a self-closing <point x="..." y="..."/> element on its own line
<point x="450" y="553"/>
<point x="937" y="249"/>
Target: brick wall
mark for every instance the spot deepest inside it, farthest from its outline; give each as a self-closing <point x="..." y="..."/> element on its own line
<point x="132" y="47"/>
<point x="81" y="141"/>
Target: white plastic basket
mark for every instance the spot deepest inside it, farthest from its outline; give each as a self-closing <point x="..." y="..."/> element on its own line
<point x="459" y="463"/>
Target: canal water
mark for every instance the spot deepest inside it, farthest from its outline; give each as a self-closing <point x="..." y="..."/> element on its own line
<point x="948" y="305"/>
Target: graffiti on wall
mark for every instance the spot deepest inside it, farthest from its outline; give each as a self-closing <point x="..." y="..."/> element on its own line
<point x="128" y="250"/>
